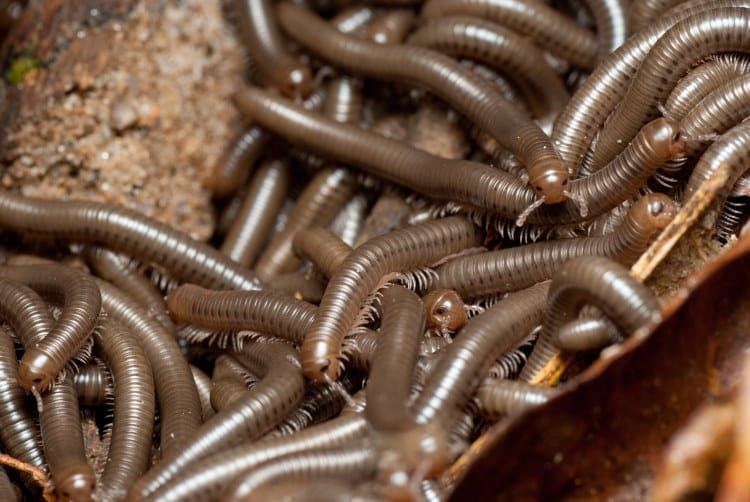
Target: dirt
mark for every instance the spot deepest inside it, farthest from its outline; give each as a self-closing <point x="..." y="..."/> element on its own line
<point x="134" y="110"/>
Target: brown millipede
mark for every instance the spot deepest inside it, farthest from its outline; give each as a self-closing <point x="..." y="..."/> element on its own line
<point x="391" y="374"/>
<point x="502" y="49"/>
<point x="135" y="406"/>
<point x="127" y="231"/>
<point x="261" y="204"/>
<point x="276" y="314"/>
<point x="403" y="249"/>
<point x="322" y="198"/>
<point x="60" y="424"/>
<point x="233" y="168"/>
<point x="322" y="247"/>
<point x="466" y="92"/>
<point x="482" y="274"/>
<point x="359" y="349"/>
<point x="80" y="299"/>
<point x="347" y="225"/>
<point x="282" y="384"/>
<point x="670" y="58"/>
<point x="597" y="281"/>
<point x="547" y="27"/>
<point x="227" y="384"/>
<point x="497" y="398"/>
<point x="179" y="406"/>
<point x="207" y="478"/>
<point x="502" y="327"/>
<point x="259" y="31"/>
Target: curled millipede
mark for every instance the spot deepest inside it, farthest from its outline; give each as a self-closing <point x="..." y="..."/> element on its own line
<point x="402" y="249"/>
<point x="595" y="281"/>
<point x="80" y="299"/>
<point x="259" y="31"/>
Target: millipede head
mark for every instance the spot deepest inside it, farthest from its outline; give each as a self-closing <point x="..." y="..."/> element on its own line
<point x="298" y="81"/>
<point x="665" y="137"/>
<point x="444" y="310"/>
<point x="550" y="180"/>
<point x="76" y="487"/>
<point x="658" y="210"/>
<point x="36" y="370"/>
<point x="319" y="364"/>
